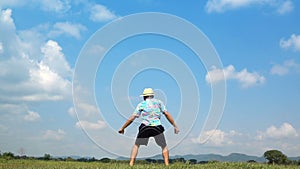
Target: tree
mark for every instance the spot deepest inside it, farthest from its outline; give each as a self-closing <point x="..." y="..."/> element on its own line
<point x="251" y="161"/>
<point x="8" y="155"/>
<point x="105" y="160"/>
<point x="149" y="160"/>
<point x="69" y="159"/>
<point x="47" y="157"/>
<point x="82" y="159"/>
<point x="181" y="160"/>
<point x="275" y="157"/>
<point x="192" y="161"/>
<point x="92" y="159"/>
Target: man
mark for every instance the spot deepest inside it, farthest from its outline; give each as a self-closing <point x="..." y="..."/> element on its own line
<point x="150" y="110"/>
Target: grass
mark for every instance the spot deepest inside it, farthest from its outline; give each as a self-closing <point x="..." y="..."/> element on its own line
<point x="39" y="164"/>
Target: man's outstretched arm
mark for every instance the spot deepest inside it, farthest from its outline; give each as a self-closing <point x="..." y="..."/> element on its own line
<point x="127" y="123"/>
<point x="171" y="120"/>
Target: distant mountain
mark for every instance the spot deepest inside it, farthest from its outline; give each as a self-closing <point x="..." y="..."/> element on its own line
<point x="234" y="157"/>
<point x="75" y="157"/>
<point x="294" y="158"/>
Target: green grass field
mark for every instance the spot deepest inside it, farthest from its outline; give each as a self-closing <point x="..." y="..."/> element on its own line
<point x="39" y="164"/>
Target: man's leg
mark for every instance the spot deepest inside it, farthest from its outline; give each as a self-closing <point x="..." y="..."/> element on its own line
<point x="161" y="141"/>
<point x="134" y="153"/>
<point x="165" y="154"/>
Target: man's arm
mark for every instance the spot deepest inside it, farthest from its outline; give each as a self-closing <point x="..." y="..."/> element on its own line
<point x="127" y="123"/>
<point x="171" y="120"/>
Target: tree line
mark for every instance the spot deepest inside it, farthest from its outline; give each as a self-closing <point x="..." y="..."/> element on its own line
<point x="271" y="156"/>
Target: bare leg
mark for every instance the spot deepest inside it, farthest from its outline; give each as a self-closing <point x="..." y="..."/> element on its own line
<point x="165" y="153"/>
<point x="133" y="155"/>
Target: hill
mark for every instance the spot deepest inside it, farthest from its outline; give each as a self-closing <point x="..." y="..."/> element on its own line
<point x="234" y="157"/>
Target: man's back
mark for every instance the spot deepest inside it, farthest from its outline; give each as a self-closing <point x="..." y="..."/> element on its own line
<point x="150" y="110"/>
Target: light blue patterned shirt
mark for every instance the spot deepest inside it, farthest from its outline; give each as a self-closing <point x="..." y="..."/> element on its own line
<point x="150" y="110"/>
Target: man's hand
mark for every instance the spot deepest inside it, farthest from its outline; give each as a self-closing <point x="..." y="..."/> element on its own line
<point x="176" y="130"/>
<point x="121" y="131"/>
<point x="127" y="123"/>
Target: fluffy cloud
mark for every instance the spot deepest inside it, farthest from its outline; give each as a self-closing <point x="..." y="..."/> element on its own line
<point x="245" y="78"/>
<point x="11" y="3"/>
<point x="1" y="48"/>
<point x="216" y="138"/>
<point x="72" y="112"/>
<point x="54" y="135"/>
<point x="90" y="125"/>
<point x="285" y="68"/>
<point x="286" y="130"/>
<point x="100" y="13"/>
<point x="12" y="109"/>
<point x="293" y="42"/>
<point x="8" y="36"/>
<point x="283" y="137"/>
<point x="281" y="6"/>
<point x="66" y="28"/>
<point x="32" y="116"/>
<point x="31" y="75"/>
<point x="285" y="7"/>
<point x="55" y="59"/>
<point x="223" y="5"/>
<point x="58" y="6"/>
<point x="85" y="107"/>
<point x="87" y="110"/>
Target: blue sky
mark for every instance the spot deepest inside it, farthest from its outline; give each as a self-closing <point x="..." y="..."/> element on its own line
<point x="43" y="43"/>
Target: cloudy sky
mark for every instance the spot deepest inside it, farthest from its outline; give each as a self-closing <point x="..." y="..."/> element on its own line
<point x="44" y="108"/>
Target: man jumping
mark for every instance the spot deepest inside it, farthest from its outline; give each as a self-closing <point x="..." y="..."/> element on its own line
<point x="150" y="110"/>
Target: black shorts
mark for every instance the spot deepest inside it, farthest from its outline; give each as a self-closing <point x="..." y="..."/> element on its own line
<point x="145" y="132"/>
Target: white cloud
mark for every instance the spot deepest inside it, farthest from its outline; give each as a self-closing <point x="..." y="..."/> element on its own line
<point x="72" y="112"/>
<point x="286" y="130"/>
<point x="5" y="17"/>
<point x="48" y="84"/>
<point x="32" y="116"/>
<point x="281" y="6"/>
<point x="285" y="137"/>
<point x="87" y="110"/>
<point x="245" y="78"/>
<point x="54" y="135"/>
<point x="46" y="5"/>
<point x="9" y="108"/>
<point x="223" y="5"/>
<point x="279" y="70"/>
<point x="31" y="75"/>
<point x="55" y="59"/>
<point x="285" y="68"/>
<point x="90" y="125"/>
<point x="100" y="13"/>
<point x="293" y="42"/>
<point x="11" y="3"/>
<point x="67" y="28"/>
<point x="216" y="138"/>
<point x="1" y="48"/>
<point x="285" y="7"/>
<point x="58" y="6"/>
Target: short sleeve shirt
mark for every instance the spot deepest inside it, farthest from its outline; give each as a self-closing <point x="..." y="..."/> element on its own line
<point x="150" y="110"/>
